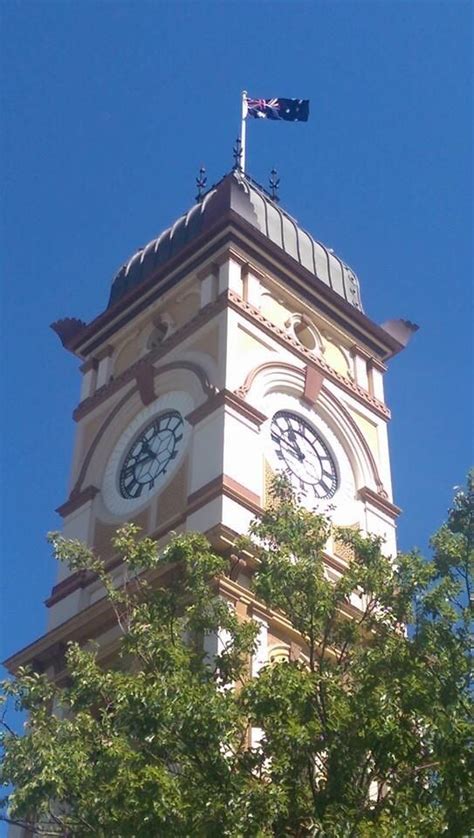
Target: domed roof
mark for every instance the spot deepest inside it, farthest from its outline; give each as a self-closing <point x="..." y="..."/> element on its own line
<point x="241" y="195"/>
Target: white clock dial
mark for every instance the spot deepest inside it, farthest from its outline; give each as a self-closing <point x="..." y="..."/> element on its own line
<point x="304" y="455"/>
<point x="147" y="453"/>
<point x="334" y="478"/>
<point x="151" y="455"/>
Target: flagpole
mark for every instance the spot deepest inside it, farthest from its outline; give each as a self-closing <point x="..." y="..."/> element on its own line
<point x="243" y="131"/>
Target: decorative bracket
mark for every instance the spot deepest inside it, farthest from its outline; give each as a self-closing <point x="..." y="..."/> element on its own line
<point x="313" y="381"/>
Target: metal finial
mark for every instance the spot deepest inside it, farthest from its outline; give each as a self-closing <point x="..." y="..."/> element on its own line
<point x="201" y="184"/>
<point x="274" y="182"/>
<point x="237" y="153"/>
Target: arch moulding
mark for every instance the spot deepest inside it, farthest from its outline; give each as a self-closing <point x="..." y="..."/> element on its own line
<point x="299" y="377"/>
<point x="145" y="387"/>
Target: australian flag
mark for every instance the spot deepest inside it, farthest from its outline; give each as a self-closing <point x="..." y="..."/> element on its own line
<point x="292" y="110"/>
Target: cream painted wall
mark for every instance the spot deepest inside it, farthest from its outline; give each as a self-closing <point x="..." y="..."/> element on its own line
<point x="207" y="454"/>
<point x="229" y="348"/>
<point x="336" y="357"/>
<point x="369" y="429"/>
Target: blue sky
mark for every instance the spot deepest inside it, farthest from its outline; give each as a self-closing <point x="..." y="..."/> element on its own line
<point x="109" y="109"/>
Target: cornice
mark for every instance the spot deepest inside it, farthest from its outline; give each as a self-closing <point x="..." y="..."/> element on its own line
<point x="375" y="363"/>
<point x="81" y="578"/>
<point x="220" y="486"/>
<point x="67" y="586"/>
<point x="371" y="361"/>
<point x="380" y="502"/>
<point x="227" y="486"/>
<point x="188" y="261"/>
<point x="221" y="533"/>
<point x="228" y="399"/>
<point x="80" y="627"/>
<point x="97" y="618"/>
<point x="105" y="352"/>
<point x="211" y="269"/>
<point x="207" y="389"/>
<point x="87" y="624"/>
<point x="276" y="619"/>
<point x="324" y="298"/>
<point x="154" y="355"/>
<point x="231" y="229"/>
<point x="230" y="253"/>
<point x="250" y="268"/>
<point x="78" y="500"/>
<point x="91" y="364"/>
<point x="255" y="316"/>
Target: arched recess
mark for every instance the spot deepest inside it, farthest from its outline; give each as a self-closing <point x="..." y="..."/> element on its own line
<point x="128" y="354"/>
<point x="185" y="374"/>
<point x="279" y="376"/>
<point x="204" y="361"/>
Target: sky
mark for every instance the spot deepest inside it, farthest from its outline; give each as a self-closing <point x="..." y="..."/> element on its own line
<point x="108" y="110"/>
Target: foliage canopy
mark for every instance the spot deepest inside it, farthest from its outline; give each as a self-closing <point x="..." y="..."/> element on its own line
<point x="365" y="733"/>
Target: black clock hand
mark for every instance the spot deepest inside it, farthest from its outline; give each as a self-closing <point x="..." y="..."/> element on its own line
<point x="146" y="459"/>
<point x="150" y="453"/>
<point x="295" y="452"/>
<point x="292" y="437"/>
<point x="131" y="468"/>
<point x="291" y="449"/>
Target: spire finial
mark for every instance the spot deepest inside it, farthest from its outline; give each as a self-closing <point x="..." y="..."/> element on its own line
<point x="274" y="182"/>
<point x="201" y="181"/>
<point x="237" y="154"/>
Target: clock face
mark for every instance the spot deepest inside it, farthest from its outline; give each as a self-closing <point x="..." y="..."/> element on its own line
<point x="304" y="455"/>
<point x="150" y="455"/>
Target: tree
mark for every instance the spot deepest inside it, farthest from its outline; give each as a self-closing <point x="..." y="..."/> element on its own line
<point x="366" y="734"/>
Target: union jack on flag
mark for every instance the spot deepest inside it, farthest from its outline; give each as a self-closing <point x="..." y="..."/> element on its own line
<point x="291" y="110"/>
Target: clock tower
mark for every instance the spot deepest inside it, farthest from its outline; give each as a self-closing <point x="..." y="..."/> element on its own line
<point x="233" y="346"/>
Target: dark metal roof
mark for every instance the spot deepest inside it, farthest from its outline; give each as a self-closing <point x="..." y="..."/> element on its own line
<point x="239" y="193"/>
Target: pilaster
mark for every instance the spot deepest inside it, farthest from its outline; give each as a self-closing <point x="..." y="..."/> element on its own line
<point x="89" y="378"/>
<point x="104" y="369"/>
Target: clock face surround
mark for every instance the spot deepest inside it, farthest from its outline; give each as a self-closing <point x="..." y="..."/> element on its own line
<point x="151" y="454"/>
<point x="304" y="455"/>
<point x="147" y="454"/>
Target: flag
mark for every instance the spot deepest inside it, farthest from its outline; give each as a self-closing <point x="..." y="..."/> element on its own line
<point x="292" y="110"/>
